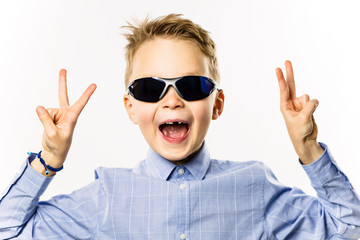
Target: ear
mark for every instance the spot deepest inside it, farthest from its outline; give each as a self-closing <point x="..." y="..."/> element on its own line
<point x="218" y="104"/>
<point x="130" y="108"/>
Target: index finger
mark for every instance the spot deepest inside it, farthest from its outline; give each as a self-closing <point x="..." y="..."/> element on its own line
<point x="79" y="105"/>
<point x="63" y="95"/>
<point x="284" y="92"/>
<point x="290" y="79"/>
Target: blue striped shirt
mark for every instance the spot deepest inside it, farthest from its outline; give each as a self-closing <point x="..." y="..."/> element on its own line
<point x="204" y="199"/>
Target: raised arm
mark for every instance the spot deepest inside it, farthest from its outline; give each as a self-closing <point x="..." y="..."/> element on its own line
<point x="298" y="115"/>
<point x="289" y="212"/>
<point x="59" y="124"/>
<point x="22" y="216"/>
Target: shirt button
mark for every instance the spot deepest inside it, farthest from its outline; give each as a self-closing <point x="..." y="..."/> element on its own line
<point x="183" y="236"/>
<point x="181" y="171"/>
<point x="183" y="186"/>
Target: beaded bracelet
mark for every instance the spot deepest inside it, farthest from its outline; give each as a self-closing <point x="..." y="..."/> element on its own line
<point x="44" y="164"/>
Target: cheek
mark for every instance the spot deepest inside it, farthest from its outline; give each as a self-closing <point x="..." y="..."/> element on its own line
<point x="144" y="114"/>
<point x="203" y="112"/>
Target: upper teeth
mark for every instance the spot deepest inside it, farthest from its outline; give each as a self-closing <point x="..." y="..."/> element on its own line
<point x="173" y="122"/>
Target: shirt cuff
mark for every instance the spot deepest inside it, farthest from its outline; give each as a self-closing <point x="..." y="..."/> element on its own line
<point x="323" y="169"/>
<point x="30" y="181"/>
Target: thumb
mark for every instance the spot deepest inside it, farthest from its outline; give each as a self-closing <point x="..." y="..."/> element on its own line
<point x="310" y="107"/>
<point x="45" y="119"/>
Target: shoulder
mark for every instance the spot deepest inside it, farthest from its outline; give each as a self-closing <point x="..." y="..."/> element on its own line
<point x="109" y="177"/>
<point x="109" y="174"/>
<point x="256" y="168"/>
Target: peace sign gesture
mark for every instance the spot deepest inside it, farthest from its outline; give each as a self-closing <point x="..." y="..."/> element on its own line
<point x="298" y="115"/>
<point x="59" y="124"/>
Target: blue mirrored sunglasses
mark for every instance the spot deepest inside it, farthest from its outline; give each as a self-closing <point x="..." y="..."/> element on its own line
<point x="190" y="88"/>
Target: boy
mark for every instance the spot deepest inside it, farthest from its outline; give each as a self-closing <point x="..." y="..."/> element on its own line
<point x="178" y="192"/>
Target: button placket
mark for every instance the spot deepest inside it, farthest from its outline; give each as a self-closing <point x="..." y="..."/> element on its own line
<point x="183" y="209"/>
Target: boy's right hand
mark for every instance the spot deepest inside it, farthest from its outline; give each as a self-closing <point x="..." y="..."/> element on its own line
<point x="59" y="124"/>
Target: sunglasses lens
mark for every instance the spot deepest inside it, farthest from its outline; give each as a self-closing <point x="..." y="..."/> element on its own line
<point x="194" y="88"/>
<point x="147" y="89"/>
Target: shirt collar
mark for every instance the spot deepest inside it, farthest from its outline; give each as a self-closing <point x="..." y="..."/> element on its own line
<point x="159" y="167"/>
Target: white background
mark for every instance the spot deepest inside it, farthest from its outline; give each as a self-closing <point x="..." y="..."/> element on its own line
<point x="37" y="38"/>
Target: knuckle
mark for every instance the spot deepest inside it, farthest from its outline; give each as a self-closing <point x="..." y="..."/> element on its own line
<point x="306" y="97"/>
<point x="52" y="110"/>
<point x="52" y="133"/>
<point x="68" y="135"/>
<point x="311" y="105"/>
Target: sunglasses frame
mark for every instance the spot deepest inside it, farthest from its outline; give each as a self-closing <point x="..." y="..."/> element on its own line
<point x="171" y="82"/>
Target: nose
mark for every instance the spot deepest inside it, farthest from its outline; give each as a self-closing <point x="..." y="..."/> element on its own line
<point x="172" y="99"/>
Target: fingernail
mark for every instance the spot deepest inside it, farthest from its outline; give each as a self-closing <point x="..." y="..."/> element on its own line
<point x="40" y="109"/>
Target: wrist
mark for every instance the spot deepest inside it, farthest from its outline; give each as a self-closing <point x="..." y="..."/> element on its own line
<point x="47" y="163"/>
<point x="309" y="151"/>
<point x="51" y="159"/>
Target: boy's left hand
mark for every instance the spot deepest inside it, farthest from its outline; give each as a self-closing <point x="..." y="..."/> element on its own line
<point x="299" y="119"/>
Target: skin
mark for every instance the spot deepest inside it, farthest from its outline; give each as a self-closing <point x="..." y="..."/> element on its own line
<point x="169" y="58"/>
<point x="298" y="116"/>
<point x="59" y="124"/>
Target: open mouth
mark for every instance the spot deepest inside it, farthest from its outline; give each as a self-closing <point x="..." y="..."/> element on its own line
<point x="175" y="131"/>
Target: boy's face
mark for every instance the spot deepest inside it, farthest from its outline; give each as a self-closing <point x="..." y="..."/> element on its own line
<point x="171" y="58"/>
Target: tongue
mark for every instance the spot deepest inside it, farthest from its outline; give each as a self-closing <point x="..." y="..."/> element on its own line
<point x="174" y="131"/>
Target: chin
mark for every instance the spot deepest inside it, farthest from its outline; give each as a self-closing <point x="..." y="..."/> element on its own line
<point x="174" y="156"/>
<point x="179" y="156"/>
<point x="175" y="152"/>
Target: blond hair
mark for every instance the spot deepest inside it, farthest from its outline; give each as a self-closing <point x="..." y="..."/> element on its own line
<point x="169" y="26"/>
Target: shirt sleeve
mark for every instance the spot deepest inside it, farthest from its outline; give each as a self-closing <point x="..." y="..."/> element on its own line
<point x="73" y="216"/>
<point x="333" y="214"/>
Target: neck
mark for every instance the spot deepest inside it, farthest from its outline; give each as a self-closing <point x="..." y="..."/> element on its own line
<point x="188" y="158"/>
